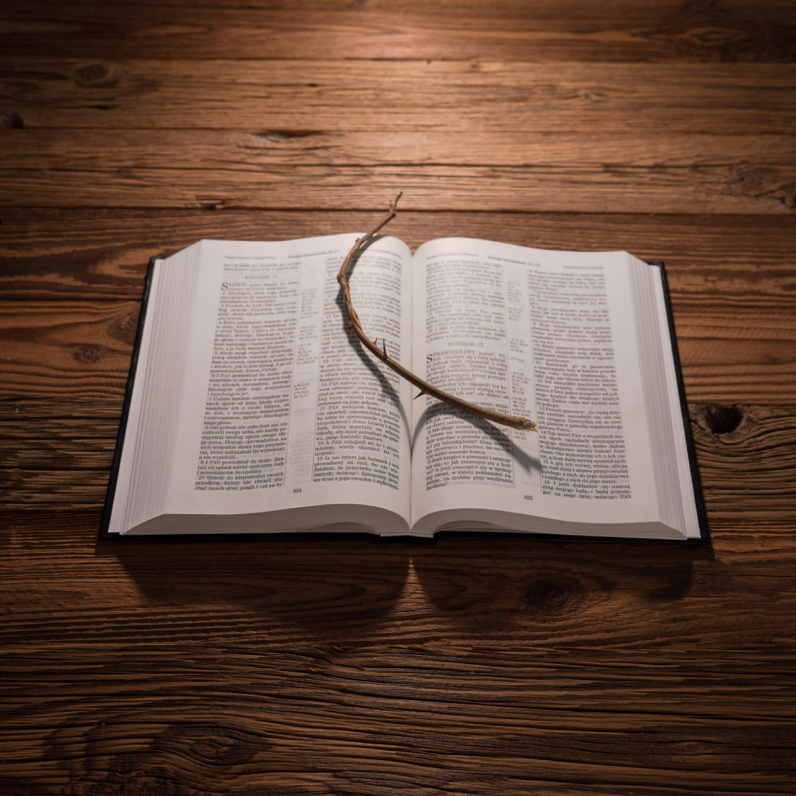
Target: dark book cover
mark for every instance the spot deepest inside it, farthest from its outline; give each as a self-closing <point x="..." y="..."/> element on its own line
<point x="128" y="395"/>
<point x="704" y="533"/>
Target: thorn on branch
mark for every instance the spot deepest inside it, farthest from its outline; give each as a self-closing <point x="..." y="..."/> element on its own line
<point x="372" y="345"/>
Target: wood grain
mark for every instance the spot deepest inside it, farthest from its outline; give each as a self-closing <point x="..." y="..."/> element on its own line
<point x="73" y="349"/>
<point x="526" y="172"/>
<point x="727" y="262"/>
<point x="574" y="30"/>
<point x="58" y="455"/>
<point x="67" y="348"/>
<point x="392" y="96"/>
<point x="63" y="589"/>
<point x="404" y="723"/>
<point x="350" y="665"/>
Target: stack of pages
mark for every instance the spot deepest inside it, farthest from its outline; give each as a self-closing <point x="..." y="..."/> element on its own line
<point x="252" y="407"/>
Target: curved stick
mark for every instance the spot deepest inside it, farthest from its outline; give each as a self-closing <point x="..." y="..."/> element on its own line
<point x="381" y="353"/>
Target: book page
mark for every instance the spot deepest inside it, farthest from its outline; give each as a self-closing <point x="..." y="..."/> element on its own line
<point x="282" y="408"/>
<point x="546" y="335"/>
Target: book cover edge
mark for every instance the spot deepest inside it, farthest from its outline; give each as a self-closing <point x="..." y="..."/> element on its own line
<point x="704" y="531"/>
<point x="128" y="394"/>
<point x="699" y="499"/>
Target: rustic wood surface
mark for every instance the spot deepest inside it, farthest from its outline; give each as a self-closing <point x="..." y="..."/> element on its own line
<point x="349" y="665"/>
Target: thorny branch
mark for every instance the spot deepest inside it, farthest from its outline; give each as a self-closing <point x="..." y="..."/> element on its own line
<point x="372" y="346"/>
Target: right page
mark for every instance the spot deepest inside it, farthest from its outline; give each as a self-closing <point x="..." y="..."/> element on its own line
<point x="548" y="335"/>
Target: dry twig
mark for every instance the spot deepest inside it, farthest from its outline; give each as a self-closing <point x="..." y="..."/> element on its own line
<point x="424" y="387"/>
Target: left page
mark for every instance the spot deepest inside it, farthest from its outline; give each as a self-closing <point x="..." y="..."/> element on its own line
<point x="281" y="410"/>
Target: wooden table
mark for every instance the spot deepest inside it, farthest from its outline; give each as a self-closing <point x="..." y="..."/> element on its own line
<point x="353" y="666"/>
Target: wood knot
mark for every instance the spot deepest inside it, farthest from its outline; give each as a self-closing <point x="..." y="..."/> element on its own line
<point x="748" y="181"/>
<point x="592" y="95"/>
<point x="226" y="748"/>
<point x="87" y="355"/>
<point x="723" y="419"/>
<point x="221" y="746"/>
<point x="211" y="202"/>
<point x="273" y="137"/>
<point x="554" y="597"/>
<point x="211" y="748"/>
<point x="11" y="121"/>
<point x="714" y="36"/>
<point x="281" y="136"/>
<point x="97" y="75"/>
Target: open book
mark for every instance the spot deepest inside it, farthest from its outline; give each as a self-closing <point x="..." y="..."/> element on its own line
<point x="251" y="407"/>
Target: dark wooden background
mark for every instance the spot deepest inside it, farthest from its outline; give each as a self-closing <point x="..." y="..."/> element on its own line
<point x="354" y="666"/>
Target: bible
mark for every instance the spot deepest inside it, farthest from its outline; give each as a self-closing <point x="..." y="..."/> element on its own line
<point x="251" y="407"/>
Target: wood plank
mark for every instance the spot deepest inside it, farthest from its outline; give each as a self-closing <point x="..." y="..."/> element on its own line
<point x="61" y="588"/>
<point x="747" y="457"/>
<point x="391" y="96"/>
<point x="720" y="262"/>
<point x="537" y="676"/>
<point x="82" y="348"/>
<point x="438" y="717"/>
<point x="774" y="9"/>
<point x="70" y="348"/>
<point x="58" y="454"/>
<point x="95" y="150"/>
<point x="578" y="30"/>
<point x="48" y="149"/>
<point x="502" y="171"/>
